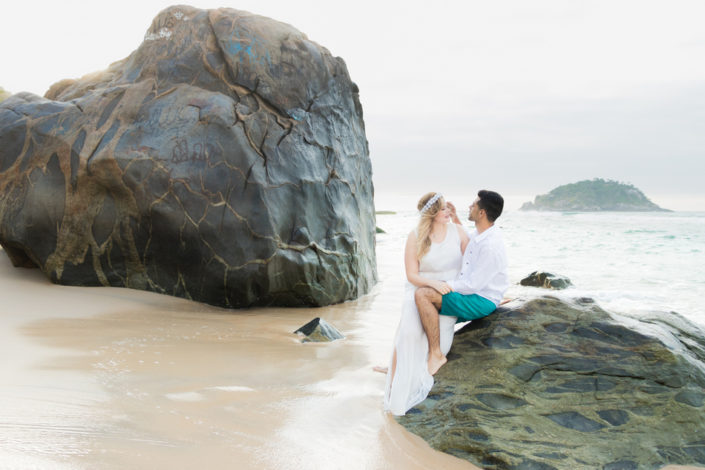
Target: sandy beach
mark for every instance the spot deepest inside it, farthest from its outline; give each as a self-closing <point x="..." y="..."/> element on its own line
<point x="115" y="378"/>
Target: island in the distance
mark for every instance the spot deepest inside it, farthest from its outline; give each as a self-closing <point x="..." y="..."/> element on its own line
<point x="593" y="195"/>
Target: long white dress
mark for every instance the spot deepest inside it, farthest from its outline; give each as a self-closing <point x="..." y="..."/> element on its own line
<point x="411" y="382"/>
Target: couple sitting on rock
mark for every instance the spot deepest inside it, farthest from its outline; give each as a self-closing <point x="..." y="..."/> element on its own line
<point x="454" y="272"/>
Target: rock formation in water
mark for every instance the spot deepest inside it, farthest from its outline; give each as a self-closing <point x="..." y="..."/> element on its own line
<point x="224" y="161"/>
<point x="553" y="385"/>
<point x="546" y="280"/>
<point x="593" y="195"/>
<point x="318" y="331"/>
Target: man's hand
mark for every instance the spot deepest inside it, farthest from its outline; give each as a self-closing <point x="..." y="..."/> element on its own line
<point x="453" y="213"/>
<point x="442" y="287"/>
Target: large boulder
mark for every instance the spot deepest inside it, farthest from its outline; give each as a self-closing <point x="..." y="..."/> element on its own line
<point x="556" y="385"/>
<point x="224" y="161"/>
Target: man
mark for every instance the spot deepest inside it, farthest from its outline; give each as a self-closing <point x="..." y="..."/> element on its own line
<point x="479" y="287"/>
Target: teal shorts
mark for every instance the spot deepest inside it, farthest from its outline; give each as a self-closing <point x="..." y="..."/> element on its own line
<point x="466" y="307"/>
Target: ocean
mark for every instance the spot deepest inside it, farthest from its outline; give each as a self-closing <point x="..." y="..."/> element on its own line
<point x="628" y="262"/>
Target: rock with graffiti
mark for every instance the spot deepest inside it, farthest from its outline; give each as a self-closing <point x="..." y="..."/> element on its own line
<point x="223" y="161"/>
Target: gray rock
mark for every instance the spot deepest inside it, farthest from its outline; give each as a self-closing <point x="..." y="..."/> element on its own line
<point x="224" y="161"/>
<point x="319" y="330"/>
<point x="546" y="280"/>
<point x="551" y="384"/>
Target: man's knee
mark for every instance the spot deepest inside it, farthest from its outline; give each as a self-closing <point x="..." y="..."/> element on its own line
<point x="423" y="294"/>
<point x="428" y="294"/>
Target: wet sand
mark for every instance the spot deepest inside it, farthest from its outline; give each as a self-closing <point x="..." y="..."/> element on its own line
<point x="104" y="378"/>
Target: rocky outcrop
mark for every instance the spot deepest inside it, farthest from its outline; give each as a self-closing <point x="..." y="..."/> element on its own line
<point x="593" y="195"/>
<point x="224" y="161"/>
<point x="546" y="280"/>
<point x="318" y="331"/>
<point x="550" y="384"/>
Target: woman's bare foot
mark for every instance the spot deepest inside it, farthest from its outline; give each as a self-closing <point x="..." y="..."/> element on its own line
<point x="505" y="301"/>
<point x="380" y="369"/>
<point x="435" y="363"/>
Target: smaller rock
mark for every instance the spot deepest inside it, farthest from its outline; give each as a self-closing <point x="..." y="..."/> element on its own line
<point x="318" y="331"/>
<point x="614" y="417"/>
<point x="546" y="280"/>
<point x="690" y="397"/>
<point x="574" y="420"/>
<point x="379" y="230"/>
<point x="622" y="465"/>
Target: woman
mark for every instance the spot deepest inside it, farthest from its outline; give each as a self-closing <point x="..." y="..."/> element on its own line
<point x="433" y="254"/>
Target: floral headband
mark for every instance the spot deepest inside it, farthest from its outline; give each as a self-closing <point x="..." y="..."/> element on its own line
<point x="430" y="202"/>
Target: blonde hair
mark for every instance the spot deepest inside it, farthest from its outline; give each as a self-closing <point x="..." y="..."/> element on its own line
<point x="423" y="230"/>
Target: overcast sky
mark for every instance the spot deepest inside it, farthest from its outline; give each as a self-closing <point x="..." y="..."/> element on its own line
<point x="517" y="96"/>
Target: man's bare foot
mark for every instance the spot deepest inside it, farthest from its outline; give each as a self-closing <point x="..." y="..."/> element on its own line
<point x="435" y="363"/>
<point x="380" y="369"/>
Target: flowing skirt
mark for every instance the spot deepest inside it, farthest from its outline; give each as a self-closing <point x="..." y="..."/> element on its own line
<point x="409" y="382"/>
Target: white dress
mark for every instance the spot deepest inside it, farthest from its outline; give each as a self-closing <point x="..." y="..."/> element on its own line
<point x="411" y="381"/>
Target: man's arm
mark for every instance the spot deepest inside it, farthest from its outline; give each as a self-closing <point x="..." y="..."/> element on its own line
<point x="488" y="264"/>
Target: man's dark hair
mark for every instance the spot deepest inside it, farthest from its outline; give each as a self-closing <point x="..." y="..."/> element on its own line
<point x="492" y="203"/>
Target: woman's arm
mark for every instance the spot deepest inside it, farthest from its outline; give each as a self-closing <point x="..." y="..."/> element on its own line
<point x="464" y="239"/>
<point x="453" y="213"/>
<point x="411" y="264"/>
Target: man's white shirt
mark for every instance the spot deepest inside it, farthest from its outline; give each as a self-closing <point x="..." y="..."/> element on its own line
<point x="484" y="269"/>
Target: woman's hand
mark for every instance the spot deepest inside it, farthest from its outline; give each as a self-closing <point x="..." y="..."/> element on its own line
<point x="453" y="213"/>
<point x="442" y="287"/>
